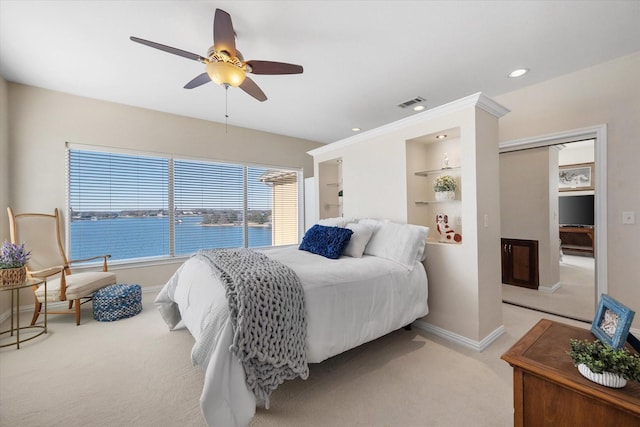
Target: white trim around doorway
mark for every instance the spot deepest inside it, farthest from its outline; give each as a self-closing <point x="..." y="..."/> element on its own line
<point x="599" y="134"/>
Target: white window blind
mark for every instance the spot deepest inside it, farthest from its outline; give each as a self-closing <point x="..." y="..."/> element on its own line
<point x="118" y="205"/>
<point x="134" y="206"/>
<point x="209" y="206"/>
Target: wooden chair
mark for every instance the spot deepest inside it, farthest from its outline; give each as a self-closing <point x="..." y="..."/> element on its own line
<point x="41" y="234"/>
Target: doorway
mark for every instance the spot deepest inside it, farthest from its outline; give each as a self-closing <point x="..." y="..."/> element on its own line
<point x="584" y="275"/>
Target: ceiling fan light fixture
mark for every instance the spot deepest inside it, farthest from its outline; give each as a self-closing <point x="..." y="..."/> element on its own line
<point x="226" y="73"/>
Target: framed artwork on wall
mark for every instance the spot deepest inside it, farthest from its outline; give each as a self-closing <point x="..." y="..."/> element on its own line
<point x="612" y="322"/>
<point x="576" y="177"/>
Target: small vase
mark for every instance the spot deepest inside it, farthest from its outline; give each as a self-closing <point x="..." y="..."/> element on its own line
<point x="442" y="196"/>
<point x="13" y="276"/>
<point x="606" y="378"/>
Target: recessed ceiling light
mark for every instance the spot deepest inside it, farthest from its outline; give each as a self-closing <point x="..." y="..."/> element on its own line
<point x="519" y="72"/>
<point x="419" y="108"/>
<point x="356" y="129"/>
<point x="441" y="136"/>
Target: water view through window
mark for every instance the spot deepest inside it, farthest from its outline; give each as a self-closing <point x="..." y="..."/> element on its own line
<point x="120" y="205"/>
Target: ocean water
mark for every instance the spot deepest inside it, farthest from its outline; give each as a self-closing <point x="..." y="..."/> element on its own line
<point x="140" y="237"/>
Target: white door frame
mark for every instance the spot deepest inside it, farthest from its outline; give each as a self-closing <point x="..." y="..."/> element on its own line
<point x="599" y="134"/>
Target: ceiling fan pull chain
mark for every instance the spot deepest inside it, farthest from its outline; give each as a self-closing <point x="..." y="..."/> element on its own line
<point x="226" y="108"/>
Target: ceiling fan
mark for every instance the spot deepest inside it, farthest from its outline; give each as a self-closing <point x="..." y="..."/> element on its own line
<point x="225" y="64"/>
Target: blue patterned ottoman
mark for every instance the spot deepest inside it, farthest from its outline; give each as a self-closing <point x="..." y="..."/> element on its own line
<point x="117" y="302"/>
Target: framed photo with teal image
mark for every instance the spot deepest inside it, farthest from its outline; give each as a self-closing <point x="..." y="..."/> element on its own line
<point x="612" y="322"/>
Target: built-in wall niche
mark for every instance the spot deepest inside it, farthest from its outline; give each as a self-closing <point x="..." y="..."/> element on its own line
<point x="429" y="157"/>
<point x="330" y="188"/>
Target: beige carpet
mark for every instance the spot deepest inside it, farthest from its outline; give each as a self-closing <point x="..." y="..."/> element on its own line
<point x="135" y="372"/>
<point x="575" y="298"/>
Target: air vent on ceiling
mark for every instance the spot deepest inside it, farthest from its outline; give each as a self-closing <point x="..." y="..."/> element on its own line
<point x="409" y="103"/>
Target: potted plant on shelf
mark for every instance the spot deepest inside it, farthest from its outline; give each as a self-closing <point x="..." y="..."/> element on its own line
<point x="12" y="264"/>
<point x="445" y="187"/>
<point x="603" y="364"/>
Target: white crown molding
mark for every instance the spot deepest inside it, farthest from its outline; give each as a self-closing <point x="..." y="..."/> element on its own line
<point x="491" y="106"/>
<point x="552" y="138"/>
<point x="479" y="100"/>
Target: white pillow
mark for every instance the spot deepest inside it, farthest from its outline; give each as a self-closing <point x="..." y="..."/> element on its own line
<point x="402" y="243"/>
<point x="359" y="239"/>
<point x="376" y="223"/>
<point x="337" y="221"/>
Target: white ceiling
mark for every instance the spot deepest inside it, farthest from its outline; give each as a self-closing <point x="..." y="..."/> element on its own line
<point x="361" y="58"/>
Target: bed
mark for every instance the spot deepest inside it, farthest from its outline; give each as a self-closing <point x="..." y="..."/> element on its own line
<point x="376" y="285"/>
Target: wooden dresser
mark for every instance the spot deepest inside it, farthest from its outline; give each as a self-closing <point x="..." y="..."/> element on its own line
<point x="577" y="240"/>
<point x="549" y="391"/>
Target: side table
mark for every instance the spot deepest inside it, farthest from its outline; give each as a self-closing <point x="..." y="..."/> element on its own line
<point x="549" y="391"/>
<point x="15" y="296"/>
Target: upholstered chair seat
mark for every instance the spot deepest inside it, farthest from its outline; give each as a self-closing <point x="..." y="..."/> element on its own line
<point x="79" y="285"/>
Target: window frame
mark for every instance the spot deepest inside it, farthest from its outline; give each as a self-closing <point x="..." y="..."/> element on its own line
<point x="171" y="257"/>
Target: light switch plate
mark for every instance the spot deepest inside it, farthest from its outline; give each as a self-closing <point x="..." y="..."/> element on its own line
<point x="628" y="217"/>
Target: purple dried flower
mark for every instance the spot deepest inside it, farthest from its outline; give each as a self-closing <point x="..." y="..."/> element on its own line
<point x="13" y="256"/>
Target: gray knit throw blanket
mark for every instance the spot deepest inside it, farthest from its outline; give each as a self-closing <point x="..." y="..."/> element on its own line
<point x="266" y="304"/>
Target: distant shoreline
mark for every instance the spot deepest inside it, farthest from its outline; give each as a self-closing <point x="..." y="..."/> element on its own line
<point x="236" y="225"/>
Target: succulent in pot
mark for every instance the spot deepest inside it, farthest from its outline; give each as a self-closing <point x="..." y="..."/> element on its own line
<point x="601" y="359"/>
<point x="444" y="183"/>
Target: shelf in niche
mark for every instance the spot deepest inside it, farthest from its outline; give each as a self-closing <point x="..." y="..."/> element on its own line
<point x="333" y="184"/>
<point x="438" y="242"/>
<point x="436" y="171"/>
<point x="427" y="202"/>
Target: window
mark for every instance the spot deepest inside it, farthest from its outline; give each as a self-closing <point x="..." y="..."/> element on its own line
<point x="134" y="206"/>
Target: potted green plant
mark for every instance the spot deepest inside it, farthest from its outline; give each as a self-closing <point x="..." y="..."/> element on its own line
<point x="603" y="364"/>
<point x="13" y="258"/>
<point x="445" y="187"/>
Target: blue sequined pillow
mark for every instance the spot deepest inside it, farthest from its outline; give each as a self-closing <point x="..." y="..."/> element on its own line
<point x="326" y="241"/>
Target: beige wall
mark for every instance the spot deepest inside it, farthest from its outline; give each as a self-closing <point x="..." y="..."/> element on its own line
<point x="4" y="173"/>
<point x="608" y="94"/>
<point x="529" y="205"/>
<point x="40" y="122"/>
<point x="329" y="185"/>
<point x="4" y="159"/>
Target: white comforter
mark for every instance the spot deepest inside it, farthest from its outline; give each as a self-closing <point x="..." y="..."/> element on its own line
<point x="348" y="301"/>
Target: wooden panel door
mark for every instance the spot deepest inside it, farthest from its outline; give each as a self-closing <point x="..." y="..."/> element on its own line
<point x="520" y="262"/>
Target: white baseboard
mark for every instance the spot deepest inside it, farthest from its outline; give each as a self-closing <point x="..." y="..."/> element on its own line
<point x="459" y="339"/>
<point x="54" y="305"/>
<point x="549" y="290"/>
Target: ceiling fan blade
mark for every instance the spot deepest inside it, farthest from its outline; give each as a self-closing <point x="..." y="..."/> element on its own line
<point x="224" y="37"/>
<point x="169" y="49"/>
<point x="270" y="67"/>
<point x="252" y="89"/>
<point x="198" y="81"/>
